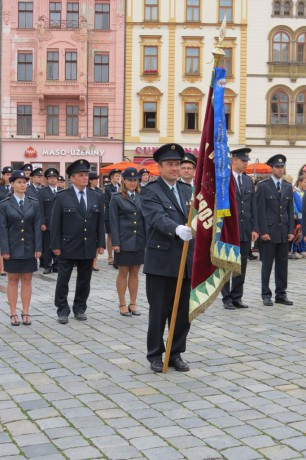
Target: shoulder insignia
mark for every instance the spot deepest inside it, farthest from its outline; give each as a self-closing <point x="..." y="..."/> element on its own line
<point x="5" y="199"/>
<point x="63" y="190"/>
<point x="263" y="180"/>
<point x="32" y="198"/>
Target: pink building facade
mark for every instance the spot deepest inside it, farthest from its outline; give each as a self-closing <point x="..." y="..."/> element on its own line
<point x="62" y="82"/>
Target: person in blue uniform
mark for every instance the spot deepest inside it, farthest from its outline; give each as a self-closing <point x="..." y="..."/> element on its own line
<point x="144" y="177"/>
<point x="27" y="168"/>
<point x="188" y="168"/>
<point x="46" y="200"/>
<point x="128" y="239"/>
<point x="77" y="232"/>
<point x="36" y="185"/>
<point x="21" y="245"/>
<point x="112" y="187"/>
<point x="93" y="180"/>
<point x="248" y="229"/>
<point x="61" y="182"/>
<point x="276" y="227"/>
<point x="165" y="205"/>
<point x="5" y="186"/>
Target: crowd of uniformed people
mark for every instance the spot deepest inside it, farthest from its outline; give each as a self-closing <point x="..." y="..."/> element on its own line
<point x="139" y="220"/>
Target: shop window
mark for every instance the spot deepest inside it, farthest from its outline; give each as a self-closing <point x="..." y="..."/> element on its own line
<point x="192" y="60"/>
<point x="149" y="115"/>
<point x="25" y="15"/>
<point x="100" y="121"/>
<point x="55" y="15"/>
<point x="101" y="68"/>
<point x="72" y="120"/>
<point x="24" y="119"/>
<point x="281" y="46"/>
<point x="151" y="11"/>
<point x="279" y="108"/>
<point x="301" y="48"/>
<point x="191" y="116"/>
<point x="150" y="57"/>
<point x="52" y="65"/>
<point x="53" y="120"/>
<point x="102" y="16"/>
<point x="25" y="67"/>
<point x="70" y="65"/>
<point x="72" y="15"/>
<point x="226" y="9"/>
<point x="192" y="10"/>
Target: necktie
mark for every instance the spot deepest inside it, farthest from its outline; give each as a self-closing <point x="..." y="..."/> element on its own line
<point x="278" y="186"/>
<point x="240" y="184"/>
<point x="54" y="191"/>
<point x="176" y="196"/>
<point x="82" y="202"/>
<point x="7" y="188"/>
<point x="21" y="204"/>
<point x="133" y="196"/>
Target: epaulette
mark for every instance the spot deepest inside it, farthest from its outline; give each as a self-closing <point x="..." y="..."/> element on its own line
<point x="184" y="183"/>
<point x="150" y="183"/>
<point x="32" y="198"/>
<point x="5" y="199"/>
<point x="107" y="185"/>
<point x="63" y="190"/>
<point x="286" y="180"/>
<point x="263" y="180"/>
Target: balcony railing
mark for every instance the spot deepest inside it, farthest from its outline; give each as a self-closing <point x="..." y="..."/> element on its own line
<point x="291" y="133"/>
<point x="61" y="24"/>
<point x="292" y="70"/>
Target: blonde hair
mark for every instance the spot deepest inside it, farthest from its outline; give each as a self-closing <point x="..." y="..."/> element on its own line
<point x="124" y="190"/>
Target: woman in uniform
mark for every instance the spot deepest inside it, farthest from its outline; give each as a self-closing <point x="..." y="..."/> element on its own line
<point x="21" y="244"/>
<point x="93" y="180"/>
<point x="128" y="239"/>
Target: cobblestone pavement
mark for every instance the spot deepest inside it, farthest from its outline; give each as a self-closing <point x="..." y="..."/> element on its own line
<point x="85" y="391"/>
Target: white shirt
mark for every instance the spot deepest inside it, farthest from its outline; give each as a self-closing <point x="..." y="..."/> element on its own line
<point x="18" y="199"/>
<point x="78" y="194"/>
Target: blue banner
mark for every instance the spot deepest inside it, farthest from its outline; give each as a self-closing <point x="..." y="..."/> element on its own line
<point x="222" y="160"/>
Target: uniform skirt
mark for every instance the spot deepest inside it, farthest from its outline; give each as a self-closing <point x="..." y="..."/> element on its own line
<point x="20" y="265"/>
<point x="129" y="258"/>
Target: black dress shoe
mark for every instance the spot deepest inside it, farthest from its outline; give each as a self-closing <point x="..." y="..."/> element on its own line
<point x="267" y="301"/>
<point x="239" y="304"/>
<point x="283" y="300"/>
<point x="63" y="319"/>
<point x="80" y="316"/>
<point x="179" y="364"/>
<point x="228" y="305"/>
<point x="252" y="257"/>
<point x="47" y="271"/>
<point x="157" y="365"/>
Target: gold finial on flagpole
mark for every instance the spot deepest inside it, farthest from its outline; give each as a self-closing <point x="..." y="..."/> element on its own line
<point x="218" y="52"/>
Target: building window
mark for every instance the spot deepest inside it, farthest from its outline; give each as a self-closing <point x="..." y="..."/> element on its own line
<point x="100" y="121"/>
<point x="228" y="116"/>
<point x="25" y="67"/>
<point x="149" y="115"/>
<point x="192" y="64"/>
<point x="102" y="19"/>
<point x="192" y="10"/>
<point x="226" y="9"/>
<point x="301" y="109"/>
<point x="25" y="15"/>
<point x="276" y="8"/>
<point x="191" y="116"/>
<point x="72" y="120"/>
<point x="227" y="61"/>
<point x="281" y="44"/>
<point x="55" y="11"/>
<point x="71" y="65"/>
<point x="301" y="48"/>
<point x="73" y="15"/>
<point x="52" y="65"/>
<point x="150" y="56"/>
<point x="287" y="9"/>
<point x="300" y="9"/>
<point x="24" y="119"/>
<point x="101" y="68"/>
<point x="279" y="108"/>
<point x="151" y="10"/>
<point x="52" y="120"/>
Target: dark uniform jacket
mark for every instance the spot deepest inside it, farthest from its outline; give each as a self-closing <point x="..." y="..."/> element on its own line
<point x="75" y="234"/>
<point x="275" y="213"/>
<point x="32" y="191"/>
<point x="304" y="215"/>
<point x="20" y="234"/>
<point x="127" y="223"/>
<point x="3" y="192"/>
<point x="246" y="206"/>
<point x="108" y="191"/>
<point x="46" y="200"/>
<point x="162" y="215"/>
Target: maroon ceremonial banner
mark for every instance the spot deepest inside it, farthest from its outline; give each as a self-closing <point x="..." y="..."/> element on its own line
<point x="217" y="246"/>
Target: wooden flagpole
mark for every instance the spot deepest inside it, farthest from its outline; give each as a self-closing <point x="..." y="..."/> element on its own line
<point x="177" y="294"/>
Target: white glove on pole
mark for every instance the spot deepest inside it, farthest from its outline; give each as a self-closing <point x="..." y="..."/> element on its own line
<point x="184" y="232"/>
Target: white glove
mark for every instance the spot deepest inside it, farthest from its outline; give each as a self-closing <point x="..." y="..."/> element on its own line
<point x="183" y="232"/>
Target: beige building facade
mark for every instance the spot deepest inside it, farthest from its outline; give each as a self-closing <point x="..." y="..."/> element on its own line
<point x="169" y="46"/>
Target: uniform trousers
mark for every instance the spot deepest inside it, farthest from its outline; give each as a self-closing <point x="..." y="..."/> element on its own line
<point x="235" y="292"/>
<point x="160" y="294"/>
<point x="269" y="253"/>
<point x="47" y="252"/>
<point x="82" y="289"/>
